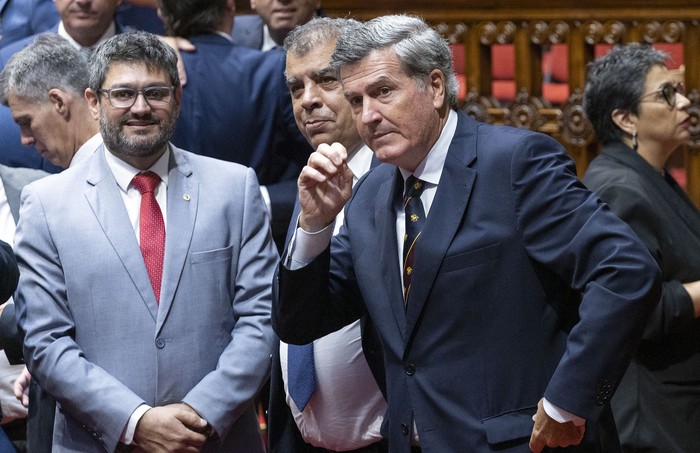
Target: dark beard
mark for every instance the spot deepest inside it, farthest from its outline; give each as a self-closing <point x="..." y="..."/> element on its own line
<point x="117" y="142"/>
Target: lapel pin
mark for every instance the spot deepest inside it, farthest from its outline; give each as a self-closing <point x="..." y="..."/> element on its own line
<point x="186" y="197"/>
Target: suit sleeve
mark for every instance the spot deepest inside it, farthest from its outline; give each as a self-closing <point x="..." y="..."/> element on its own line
<point x="9" y="272"/>
<point x="85" y="390"/>
<point x="675" y="312"/>
<point x="10" y="338"/>
<point x="566" y="229"/>
<point x="244" y="365"/>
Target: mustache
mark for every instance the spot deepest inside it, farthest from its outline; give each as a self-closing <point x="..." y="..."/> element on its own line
<point x="147" y="117"/>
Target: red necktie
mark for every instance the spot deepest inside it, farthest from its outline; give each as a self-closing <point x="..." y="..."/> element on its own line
<point x="151" y="228"/>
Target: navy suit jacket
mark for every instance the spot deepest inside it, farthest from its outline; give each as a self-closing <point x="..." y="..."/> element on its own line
<point x="491" y="325"/>
<point x="248" y="31"/>
<point x="22" y="18"/>
<point x="236" y="107"/>
<point x="12" y="153"/>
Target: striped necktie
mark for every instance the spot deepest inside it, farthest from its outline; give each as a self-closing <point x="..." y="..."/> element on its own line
<point x="415" y="220"/>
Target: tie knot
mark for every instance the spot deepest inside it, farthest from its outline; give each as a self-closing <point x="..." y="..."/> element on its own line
<point x="414" y="187"/>
<point x="146" y="182"/>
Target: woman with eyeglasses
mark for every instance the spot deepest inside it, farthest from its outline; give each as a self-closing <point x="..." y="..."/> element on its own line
<point x="640" y="115"/>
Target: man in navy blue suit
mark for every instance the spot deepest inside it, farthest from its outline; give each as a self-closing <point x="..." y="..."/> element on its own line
<point x="236" y="106"/>
<point x="510" y="321"/>
<point x="85" y="25"/>
<point x="273" y="22"/>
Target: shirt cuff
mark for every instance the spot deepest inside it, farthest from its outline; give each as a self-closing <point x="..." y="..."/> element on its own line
<point x="560" y="415"/>
<point x="127" y="437"/>
<point x="266" y="198"/>
<point x="304" y="247"/>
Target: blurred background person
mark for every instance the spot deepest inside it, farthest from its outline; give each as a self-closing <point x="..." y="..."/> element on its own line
<point x="274" y="20"/>
<point x="236" y="106"/>
<point x="84" y="24"/>
<point x="640" y="115"/>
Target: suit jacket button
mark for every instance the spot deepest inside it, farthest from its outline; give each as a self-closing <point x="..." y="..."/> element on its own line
<point x="160" y="343"/>
<point x="410" y="369"/>
<point x="404" y="428"/>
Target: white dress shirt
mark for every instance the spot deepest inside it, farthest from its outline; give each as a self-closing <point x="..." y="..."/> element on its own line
<point x="335" y="418"/>
<point x="111" y="31"/>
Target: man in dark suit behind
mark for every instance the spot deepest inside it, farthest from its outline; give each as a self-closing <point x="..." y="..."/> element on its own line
<point x="484" y="348"/>
<point x="235" y="106"/>
<point x="273" y="22"/>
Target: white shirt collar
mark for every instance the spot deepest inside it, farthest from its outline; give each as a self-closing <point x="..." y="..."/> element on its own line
<point x="111" y="31"/>
<point x="124" y="172"/>
<point x="430" y="168"/>
<point x="268" y="43"/>
<point x="359" y="160"/>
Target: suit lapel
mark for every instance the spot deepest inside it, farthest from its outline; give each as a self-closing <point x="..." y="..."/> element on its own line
<point x="108" y="206"/>
<point x="445" y="216"/>
<point x="183" y="199"/>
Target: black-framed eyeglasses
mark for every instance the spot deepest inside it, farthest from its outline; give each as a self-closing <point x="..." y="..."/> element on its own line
<point x="124" y="98"/>
<point x="668" y="93"/>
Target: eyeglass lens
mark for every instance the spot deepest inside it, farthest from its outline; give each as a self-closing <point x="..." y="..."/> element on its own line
<point x="669" y="91"/>
<point x="126" y="97"/>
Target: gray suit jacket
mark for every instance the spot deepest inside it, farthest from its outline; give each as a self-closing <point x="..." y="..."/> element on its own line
<point x="95" y="335"/>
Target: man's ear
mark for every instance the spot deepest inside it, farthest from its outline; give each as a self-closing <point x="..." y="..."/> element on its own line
<point x="625" y="120"/>
<point x="436" y="83"/>
<point x="253" y="5"/>
<point x="93" y="101"/>
<point x="60" y="101"/>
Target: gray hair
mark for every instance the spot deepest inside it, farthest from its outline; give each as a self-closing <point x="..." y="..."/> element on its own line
<point x="48" y="62"/>
<point x="419" y="47"/>
<point x="131" y="48"/>
<point x="617" y="81"/>
<point x="317" y="31"/>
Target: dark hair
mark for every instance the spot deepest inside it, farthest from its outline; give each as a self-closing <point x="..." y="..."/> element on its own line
<point x="420" y="48"/>
<point x="617" y="81"/>
<point x="190" y="17"/>
<point x="318" y="31"/>
<point x="133" y="47"/>
<point x="48" y="62"/>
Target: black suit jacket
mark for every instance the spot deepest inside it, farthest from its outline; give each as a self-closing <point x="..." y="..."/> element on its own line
<point x="663" y="379"/>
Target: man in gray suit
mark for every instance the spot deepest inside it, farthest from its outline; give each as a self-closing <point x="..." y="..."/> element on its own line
<point x="146" y="309"/>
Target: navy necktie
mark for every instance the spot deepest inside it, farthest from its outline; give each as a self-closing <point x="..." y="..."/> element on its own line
<point x="301" y="373"/>
<point x="415" y="220"/>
